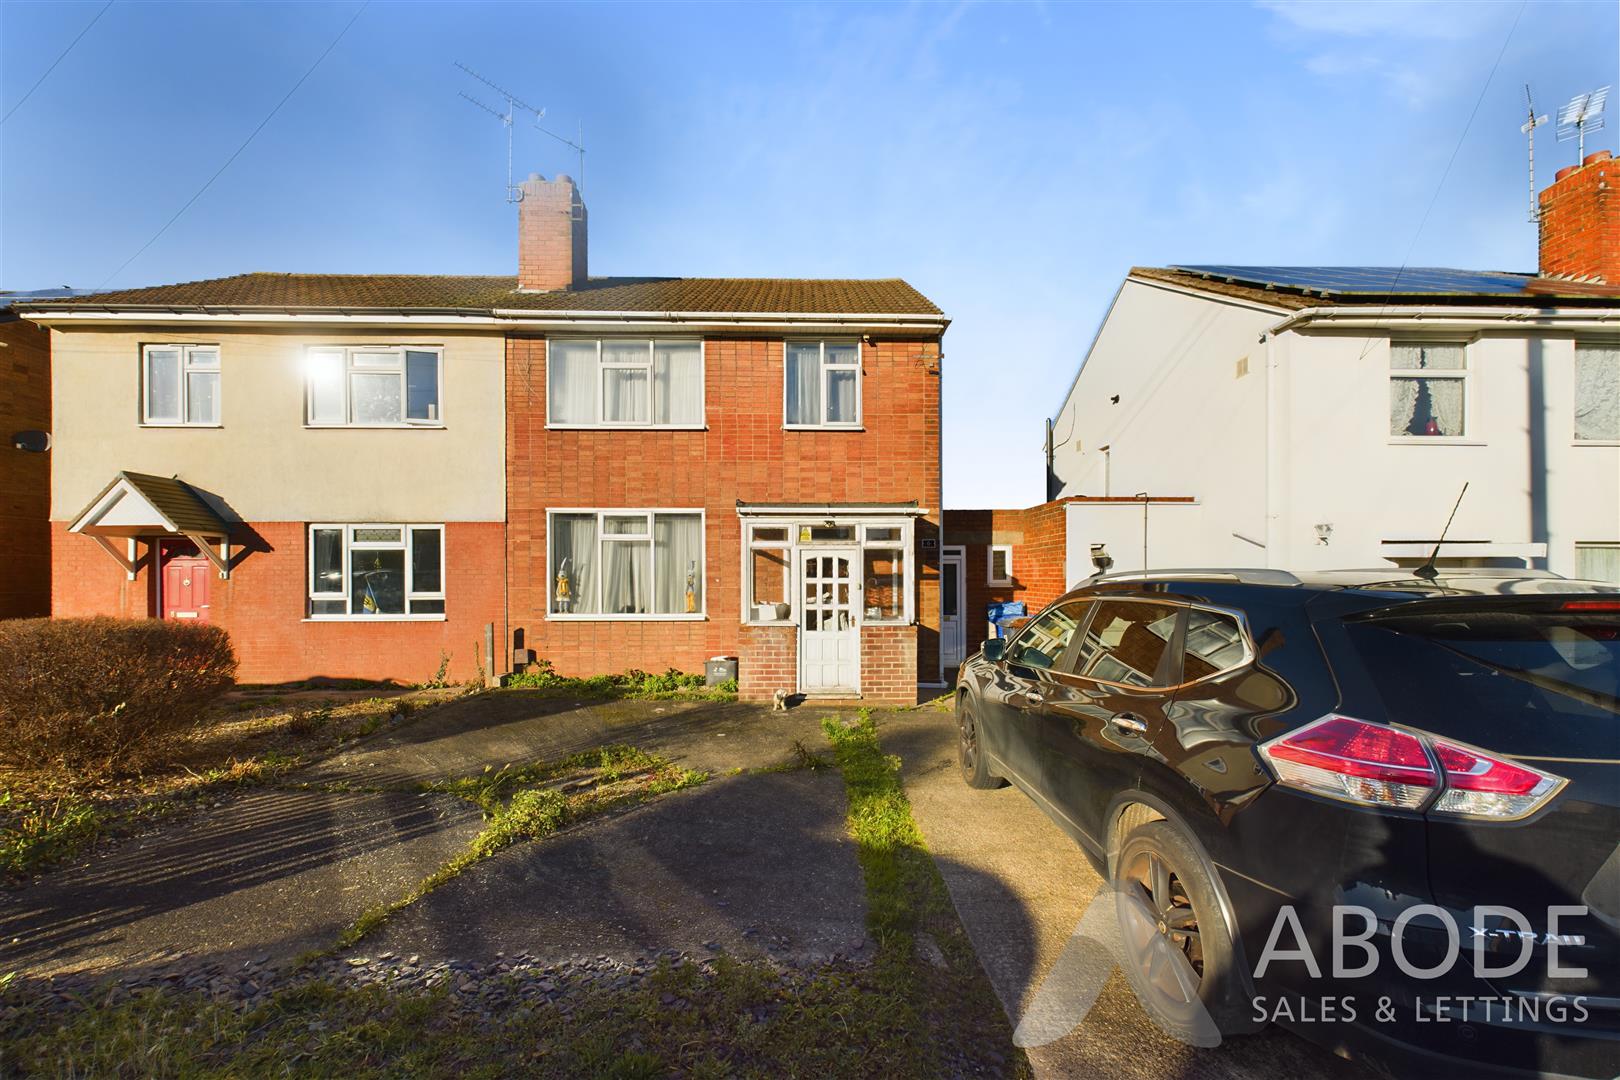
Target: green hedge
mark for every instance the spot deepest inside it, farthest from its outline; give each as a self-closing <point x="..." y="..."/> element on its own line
<point x="105" y="695"/>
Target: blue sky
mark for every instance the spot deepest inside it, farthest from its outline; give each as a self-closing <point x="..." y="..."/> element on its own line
<point x="1012" y="161"/>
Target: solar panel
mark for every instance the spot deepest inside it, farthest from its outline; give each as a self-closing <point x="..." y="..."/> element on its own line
<point x="1369" y="279"/>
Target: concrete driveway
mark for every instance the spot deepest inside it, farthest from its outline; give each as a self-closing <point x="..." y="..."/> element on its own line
<point x="1020" y="886"/>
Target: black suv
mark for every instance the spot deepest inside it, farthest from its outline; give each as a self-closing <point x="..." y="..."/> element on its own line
<point x="1228" y="744"/>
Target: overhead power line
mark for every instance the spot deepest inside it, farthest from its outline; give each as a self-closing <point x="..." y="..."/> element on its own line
<point x="238" y="151"/>
<point x="58" y="60"/>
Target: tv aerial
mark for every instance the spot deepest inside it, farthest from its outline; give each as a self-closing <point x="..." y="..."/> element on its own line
<point x="514" y="107"/>
<point x="1583" y="113"/>
<point x="1532" y="122"/>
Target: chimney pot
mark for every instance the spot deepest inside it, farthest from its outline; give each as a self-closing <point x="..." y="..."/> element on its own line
<point x="1594" y="158"/>
<point x="1567" y="170"/>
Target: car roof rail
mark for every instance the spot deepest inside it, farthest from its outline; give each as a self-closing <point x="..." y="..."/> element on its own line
<point x="1248" y="576"/>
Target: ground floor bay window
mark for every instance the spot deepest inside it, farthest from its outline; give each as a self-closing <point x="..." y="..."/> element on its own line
<point x="376" y="571"/>
<point x="626" y="564"/>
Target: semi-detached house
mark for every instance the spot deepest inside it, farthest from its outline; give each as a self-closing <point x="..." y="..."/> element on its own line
<point x="361" y="476"/>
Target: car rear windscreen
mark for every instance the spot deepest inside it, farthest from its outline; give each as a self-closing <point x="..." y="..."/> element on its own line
<point x="1574" y="653"/>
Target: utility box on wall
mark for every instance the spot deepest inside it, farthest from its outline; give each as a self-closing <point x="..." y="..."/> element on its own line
<point x="719" y="670"/>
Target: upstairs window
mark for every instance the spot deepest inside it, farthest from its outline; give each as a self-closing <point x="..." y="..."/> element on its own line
<point x="376" y="571"/>
<point x="374" y="387"/>
<point x="636" y="383"/>
<point x="180" y="385"/>
<point x="1428" y="386"/>
<point x="823" y="384"/>
<point x="1597" y="393"/>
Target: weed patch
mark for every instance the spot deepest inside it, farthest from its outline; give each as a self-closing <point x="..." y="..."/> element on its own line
<point x="633" y="684"/>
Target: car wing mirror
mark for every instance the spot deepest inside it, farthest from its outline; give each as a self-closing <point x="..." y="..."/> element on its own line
<point x="994" y="649"/>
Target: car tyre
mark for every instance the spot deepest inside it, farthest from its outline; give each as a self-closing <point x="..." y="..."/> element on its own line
<point x="1178" y="950"/>
<point x="970" y="753"/>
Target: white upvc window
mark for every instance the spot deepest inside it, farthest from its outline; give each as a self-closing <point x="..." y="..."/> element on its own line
<point x="625" y="564"/>
<point x="1597" y="392"/>
<point x="374" y="386"/>
<point x="821" y="384"/>
<point x="885" y="574"/>
<point x="1428" y="389"/>
<point x="180" y="385"/>
<point x="376" y="571"/>
<point x="772" y="549"/>
<point x="624" y="383"/>
<point x="998" y="565"/>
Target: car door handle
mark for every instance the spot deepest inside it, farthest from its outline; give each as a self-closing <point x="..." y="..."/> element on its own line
<point x="1127" y="722"/>
<point x="1025" y="700"/>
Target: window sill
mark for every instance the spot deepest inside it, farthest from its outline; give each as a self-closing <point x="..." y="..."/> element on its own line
<point x="161" y="426"/>
<point x="1611" y="443"/>
<point x="373" y="618"/>
<point x="627" y="427"/>
<point x="1436" y="440"/>
<point x="1006" y="584"/>
<point x="373" y="427"/>
<point x="773" y="622"/>
<point x="556" y="617"/>
<point x="823" y="427"/>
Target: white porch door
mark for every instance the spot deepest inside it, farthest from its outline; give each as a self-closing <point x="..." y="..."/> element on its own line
<point x="952" y="627"/>
<point x="829" y="628"/>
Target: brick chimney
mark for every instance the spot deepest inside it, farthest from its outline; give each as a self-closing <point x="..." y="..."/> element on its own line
<point x="551" y="235"/>
<point x="1580" y="222"/>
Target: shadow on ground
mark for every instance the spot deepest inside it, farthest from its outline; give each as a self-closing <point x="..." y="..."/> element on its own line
<point x="1020" y="887"/>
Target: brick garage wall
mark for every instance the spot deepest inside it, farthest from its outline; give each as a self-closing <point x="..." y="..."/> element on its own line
<point x="743" y="455"/>
<point x="262" y="605"/>
<point x="25" y="479"/>
<point x="1038" y="536"/>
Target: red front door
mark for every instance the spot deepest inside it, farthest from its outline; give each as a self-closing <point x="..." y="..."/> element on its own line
<point x="186" y="575"/>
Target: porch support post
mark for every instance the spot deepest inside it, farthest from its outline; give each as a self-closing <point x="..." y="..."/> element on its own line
<point x="221" y="558"/>
<point x="127" y="562"/>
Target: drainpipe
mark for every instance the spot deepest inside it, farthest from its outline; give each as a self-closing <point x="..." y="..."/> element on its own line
<point x="1270" y="452"/>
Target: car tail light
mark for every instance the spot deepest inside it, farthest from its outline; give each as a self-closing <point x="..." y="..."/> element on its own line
<point x="1376" y="765"/>
<point x="1353" y="760"/>
<point x="1591" y="605"/>
<point x="1482" y="786"/>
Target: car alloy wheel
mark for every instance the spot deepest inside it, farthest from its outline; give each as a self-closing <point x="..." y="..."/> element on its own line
<point x="967" y="730"/>
<point x="1161" y="928"/>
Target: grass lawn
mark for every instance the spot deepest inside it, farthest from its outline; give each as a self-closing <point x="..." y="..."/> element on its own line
<point x="250" y="736"/>
<point x="921" y="1008"/>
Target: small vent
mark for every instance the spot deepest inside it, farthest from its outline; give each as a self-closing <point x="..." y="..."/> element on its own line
<point x="1242" y="367"/>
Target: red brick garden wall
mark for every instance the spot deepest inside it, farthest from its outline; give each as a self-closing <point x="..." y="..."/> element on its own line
<point x="25" y="479"/>
<point x="262" y="605"/>
<point x="743" y="455"/>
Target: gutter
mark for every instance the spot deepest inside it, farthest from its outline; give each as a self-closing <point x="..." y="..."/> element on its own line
<point x="1457" y="317"/>
<point x="502" y="317"/>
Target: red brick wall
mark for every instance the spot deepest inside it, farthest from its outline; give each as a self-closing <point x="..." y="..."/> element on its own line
<point x="744" y="455"/>
<point x="773" y="659"/>
<point x="1580" y="221"/>
<point x="1038" y="536"/>
<point x="889" y="665"/>
<point x="25" y="479"/>
<point x="263" y="606"/>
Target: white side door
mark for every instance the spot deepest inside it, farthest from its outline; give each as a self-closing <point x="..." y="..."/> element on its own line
<point x="829" y="626"/>
<point x="952" y="627"/>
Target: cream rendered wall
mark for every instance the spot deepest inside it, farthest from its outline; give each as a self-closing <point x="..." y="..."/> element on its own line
<point x="1342" y="467"/>
<point x="262" y="461"/>
<point x="1187" y="423"/>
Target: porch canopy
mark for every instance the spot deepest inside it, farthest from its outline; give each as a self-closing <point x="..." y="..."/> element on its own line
<point x="142" y="506"/>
